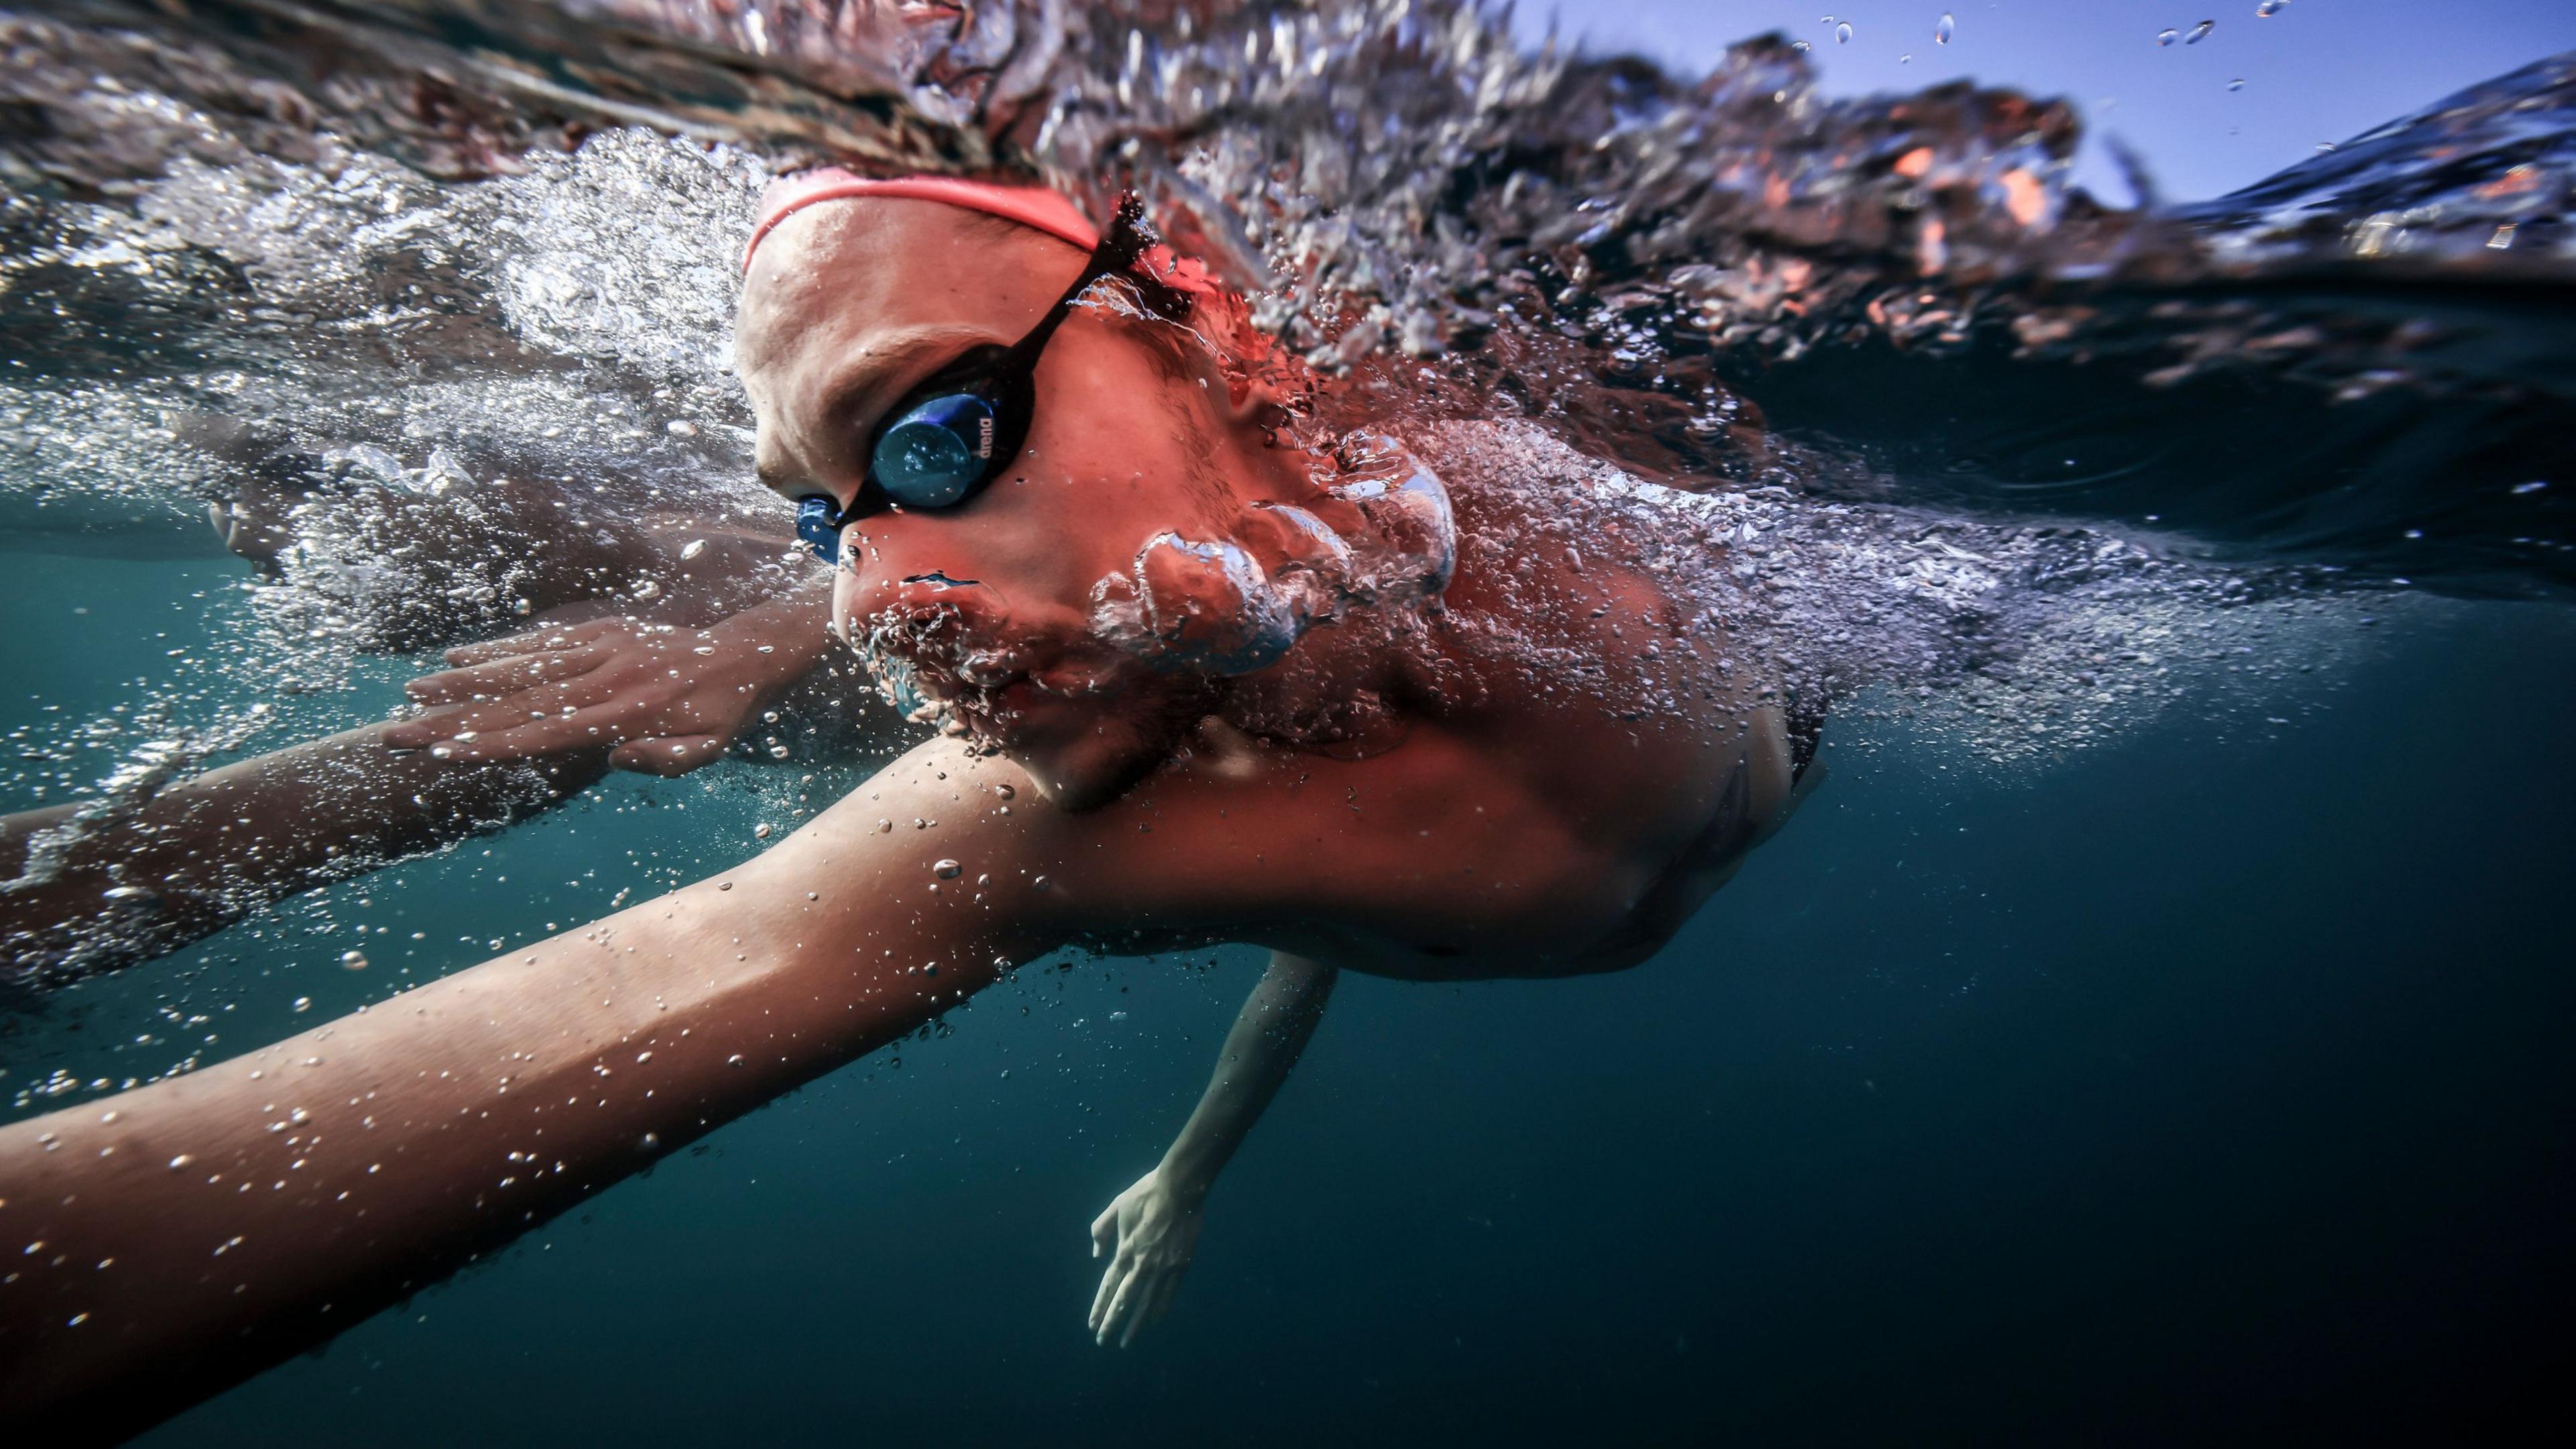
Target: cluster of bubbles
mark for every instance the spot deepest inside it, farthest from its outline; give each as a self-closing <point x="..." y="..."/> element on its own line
<point x="2020" y="644"/>
<point x="426" y="412"/>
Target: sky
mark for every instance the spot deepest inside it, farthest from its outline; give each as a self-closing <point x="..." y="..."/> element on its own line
<point x="2317" y="71"/>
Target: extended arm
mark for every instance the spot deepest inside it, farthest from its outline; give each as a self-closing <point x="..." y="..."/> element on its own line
<point x="192" y="1232"/>
<point x="543" y="717"/>
<point x="1152" y="1230"/>
<point x="91" y="892"/>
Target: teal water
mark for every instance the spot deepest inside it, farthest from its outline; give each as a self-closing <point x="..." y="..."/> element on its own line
<point x="2215" y="1078"/>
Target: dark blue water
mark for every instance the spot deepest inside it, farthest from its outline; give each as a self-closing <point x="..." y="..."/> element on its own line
<point x="2214" y="1085"/>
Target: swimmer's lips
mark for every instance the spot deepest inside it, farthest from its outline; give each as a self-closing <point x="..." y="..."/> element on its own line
<point x="1004" y="707"/>
<point x="1004" y="693"/>
<point x="1006" y="681"/>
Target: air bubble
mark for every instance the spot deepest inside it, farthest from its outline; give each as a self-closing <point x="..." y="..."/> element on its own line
<point x="2167" y="37"/>
<point x="353" y="960"/>
<point x="2200" y="32"/>
<point x="1842" y="33"/>
<point x="1944" y="29"/>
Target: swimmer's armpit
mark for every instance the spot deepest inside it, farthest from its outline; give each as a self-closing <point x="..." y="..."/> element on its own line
<point x="665" y="700"/>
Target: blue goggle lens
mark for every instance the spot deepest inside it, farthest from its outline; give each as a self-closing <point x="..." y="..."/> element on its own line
<point x="818" y="524"/>
<point x="936" y="453"/>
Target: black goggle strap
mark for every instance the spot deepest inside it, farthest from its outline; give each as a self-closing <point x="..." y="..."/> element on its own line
<point x="1122" y="243"/>
<point x="818" y="526"/>
<point x="1009" y="380"/>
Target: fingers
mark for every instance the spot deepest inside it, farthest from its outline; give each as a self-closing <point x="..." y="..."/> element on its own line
<point x="413" y="734"/>
<point x="455" y="740"/>
<point x="667" y="755"/>
<point x="508" y="726"/>
<point x="1119" y="1309"/>
<point x="1104" y="1230"/>
<point x="1149" y="1305"/>
<point x="504" y="676"/>
<point x="534" y="641"/>
<point x="1167" y="1286"/>
<point x="1110" y="1282"/>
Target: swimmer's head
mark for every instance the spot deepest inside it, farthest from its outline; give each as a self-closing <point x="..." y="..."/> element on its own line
<point x="1150" y="537"/>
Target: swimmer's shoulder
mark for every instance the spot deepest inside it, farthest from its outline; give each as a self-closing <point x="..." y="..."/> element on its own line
<point x="1422" y="850"/>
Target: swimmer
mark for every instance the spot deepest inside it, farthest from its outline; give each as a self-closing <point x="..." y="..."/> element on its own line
<point x="1198" y="680"/>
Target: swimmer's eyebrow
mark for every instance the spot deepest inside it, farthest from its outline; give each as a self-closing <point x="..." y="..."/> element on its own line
<point x="860" y="390"/>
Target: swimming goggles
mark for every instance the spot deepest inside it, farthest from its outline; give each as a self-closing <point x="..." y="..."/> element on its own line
<point x="954" y="434"/>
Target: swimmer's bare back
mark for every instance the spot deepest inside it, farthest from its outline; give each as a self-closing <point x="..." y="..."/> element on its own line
<point x="198" y="1230"/>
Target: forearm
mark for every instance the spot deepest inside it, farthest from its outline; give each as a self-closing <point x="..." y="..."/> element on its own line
<point x="1262" y="1047"/>
<point x="247" y="1210"/>
<point x="791" y="632"/>
<point x="97" y="894"/>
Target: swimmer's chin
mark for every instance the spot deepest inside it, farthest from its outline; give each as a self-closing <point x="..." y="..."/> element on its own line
<point x="1081" y="757"/>
<point x="1086" y="774"/>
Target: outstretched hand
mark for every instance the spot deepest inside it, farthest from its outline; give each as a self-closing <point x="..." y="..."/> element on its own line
<point x="666" y="700"/>
<point x="1151" y="1232"/>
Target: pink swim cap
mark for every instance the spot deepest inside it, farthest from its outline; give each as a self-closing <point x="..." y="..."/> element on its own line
<point x="1216" y="311"/>
<point x="1030" y="206"/>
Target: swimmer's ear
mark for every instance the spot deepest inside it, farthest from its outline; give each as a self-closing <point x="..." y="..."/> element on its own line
<point x="1257" y="400"/>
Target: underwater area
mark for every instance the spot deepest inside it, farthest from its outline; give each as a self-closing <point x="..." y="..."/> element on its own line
<point x="2143" y="1024"/>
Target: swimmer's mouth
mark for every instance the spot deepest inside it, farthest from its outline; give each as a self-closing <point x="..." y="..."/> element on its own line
<point x="933" y="671"/>
<point x="946" y="652"/>
<point x="980" y="686"/>
<point x="992" y="692"/>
